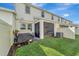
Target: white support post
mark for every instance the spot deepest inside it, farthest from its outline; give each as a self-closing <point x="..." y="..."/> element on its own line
<point x="33" y="28"/>
<point x="41" y="29"/>
<point x="26" y="26"/>
<point x="55" y="29"/>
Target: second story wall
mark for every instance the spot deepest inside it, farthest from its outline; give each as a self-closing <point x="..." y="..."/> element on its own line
<point x="20" y="11"/>
<point x="26" y="11"/>
<point x="23" y="15"/>
<point x="33" y="12"/>
<point x="48" y="16"/>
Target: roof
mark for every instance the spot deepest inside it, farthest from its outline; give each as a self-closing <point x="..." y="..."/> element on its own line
<point x="48" y="12"/>
<point x="7" y="10"/>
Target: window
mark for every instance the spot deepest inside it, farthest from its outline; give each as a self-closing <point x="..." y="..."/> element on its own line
<point x="52" y="18"/>
<point x="30" y="27"/>
<point x="65" y="21"/>
<point x="42" y="13"/>
<point x="62" y="20"/>
<point x="58" y="19"/>
<point x="23" y="26"/>
<point x="27" y="10"/>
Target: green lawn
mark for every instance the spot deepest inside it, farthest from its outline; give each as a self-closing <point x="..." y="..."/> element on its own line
<point x="51" y="47"/>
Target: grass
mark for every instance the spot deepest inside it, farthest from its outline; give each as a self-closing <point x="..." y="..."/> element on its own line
<point x="51" y="47"/>
<point x="48" y="51"/>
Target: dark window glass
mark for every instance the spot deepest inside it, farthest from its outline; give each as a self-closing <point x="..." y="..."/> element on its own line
<point x="61" y="20"/>
<point x="52" y="18"/>
<point x="42" y="13"/>
<point x="58" y="19"/>
<point x="23" y="26"/>
<point x="29" y="26"/>
<point x="27" y="10"/>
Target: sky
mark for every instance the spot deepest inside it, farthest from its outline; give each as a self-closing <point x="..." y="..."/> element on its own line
<point x="69" y="11"/>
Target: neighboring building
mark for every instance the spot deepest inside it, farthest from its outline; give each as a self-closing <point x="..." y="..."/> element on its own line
<point x="40" y="22"/>
<point x="77" y="29"/>
<point x="7" y="25"/>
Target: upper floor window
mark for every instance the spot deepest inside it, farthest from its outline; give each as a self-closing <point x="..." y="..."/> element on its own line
<point x="58" y="19"/>
<point x="62" y="20"/>
<point x="27" y="9"/>
<point x="29" y="26"/>
<point x="65" y="21"/>
<point x="23" y="26"/>
<point x="42" y="13"/>
<point x="52" y="18"/>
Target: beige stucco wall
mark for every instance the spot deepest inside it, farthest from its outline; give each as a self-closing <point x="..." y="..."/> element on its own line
<point x="56" y="26"/>
<point x="48" y="16"/>
<point x="34" y="12"/>
<point x="56" y="19"/>
<point x="21" y="13"/>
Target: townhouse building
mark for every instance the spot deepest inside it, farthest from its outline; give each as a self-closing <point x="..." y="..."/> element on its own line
<point x="39" y="22"/>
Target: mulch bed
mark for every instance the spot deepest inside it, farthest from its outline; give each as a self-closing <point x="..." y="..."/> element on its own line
<point x="13" y="48"/>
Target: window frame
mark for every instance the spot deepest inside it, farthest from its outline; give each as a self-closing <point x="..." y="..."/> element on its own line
<point x="27" y="9"/>
<point x="42" y="14"/>
<point x="29" y="28"/>
<point x="59" y="20"/>
<point x="23" y="26"/>
<point x="52" y="17"/>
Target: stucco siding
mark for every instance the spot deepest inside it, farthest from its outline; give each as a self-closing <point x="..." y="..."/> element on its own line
<point x="48" y="16"/>
<point x="55" y="19"/>
<point x="21" y="12"/>
<point x="35" y="12"/>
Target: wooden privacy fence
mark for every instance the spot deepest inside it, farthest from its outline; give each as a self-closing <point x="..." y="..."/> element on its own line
<point x="68" y="33"/>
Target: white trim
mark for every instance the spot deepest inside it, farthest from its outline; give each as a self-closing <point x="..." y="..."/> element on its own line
<point x="8" y="10"/>
<point x="41" y="29"/>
